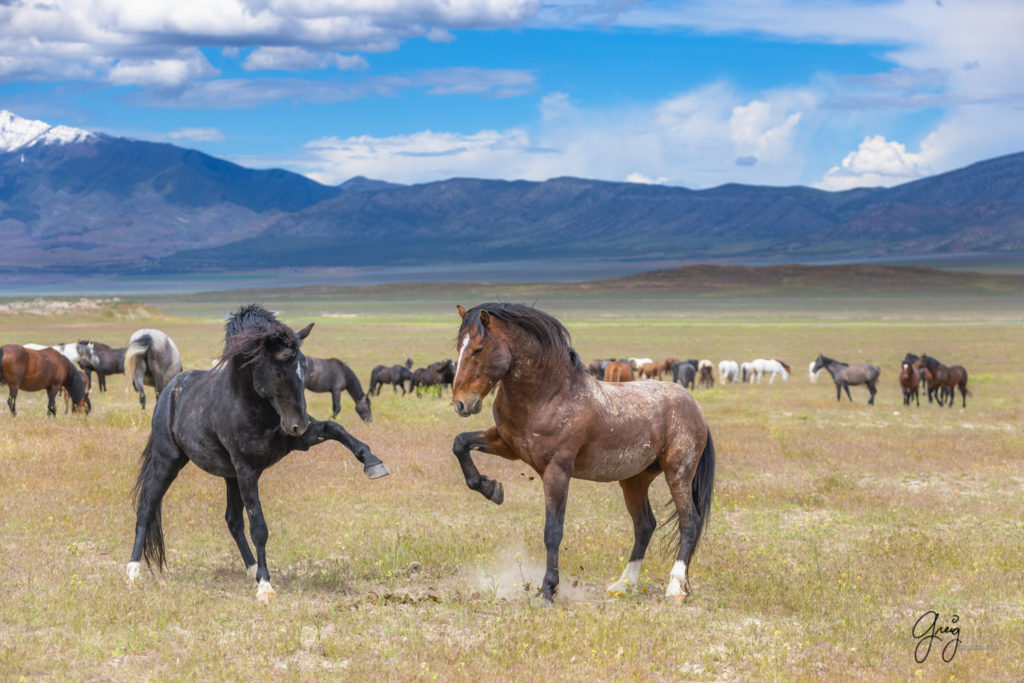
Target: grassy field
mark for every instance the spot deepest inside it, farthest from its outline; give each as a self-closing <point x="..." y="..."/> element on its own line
<point x="835" y="527"/>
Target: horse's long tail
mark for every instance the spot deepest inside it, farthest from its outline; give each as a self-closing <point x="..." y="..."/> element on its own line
<point x="136" y="351"/>
<point x="153" y="546"/>
<point x="701" y="489"/>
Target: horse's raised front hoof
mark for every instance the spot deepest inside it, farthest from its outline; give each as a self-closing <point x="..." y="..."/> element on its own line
<point x="497" y="494"/>
<point x="376" y="471"/>
<point x="265" y="592"/>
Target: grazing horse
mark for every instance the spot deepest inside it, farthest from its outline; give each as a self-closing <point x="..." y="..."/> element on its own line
<point x="551" y="414"/>
<point x="637" y="363"/>
<point x="910" y="380"/>
<point x="331" y="375"/>
<point x="946" y="377"/>
<point x="98" y="357"/>
<point x="845" y="375"/>
<point x="234" y="421"/>
<point x="396" y="376"/>
<point x="651" y="371"/>
<point x="685" y="372"/>
<point x="728" y="371"/>
<point x="597" y="367"/>
<point x="618" y="371"/>
<point x="760" y="367"/>
<point x="706" y="377"/>
<point x="46" y="369"/>
<point x="151" y="358"/>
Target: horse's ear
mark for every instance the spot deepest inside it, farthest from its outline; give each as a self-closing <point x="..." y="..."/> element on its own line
<point x="485" y="317"/>
<point x="304" y="332"/>
<point x="461" y="310"/>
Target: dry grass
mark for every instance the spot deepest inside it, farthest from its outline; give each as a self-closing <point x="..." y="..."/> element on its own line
<point x="834" y="526"/>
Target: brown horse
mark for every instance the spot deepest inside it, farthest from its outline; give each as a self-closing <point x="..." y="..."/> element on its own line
<point x="47" y="370"/>
<point x="910" y="380"/>
<point x="946" y="378"/>
<point x="618" y="371"/>
<point x="651" y="370"/>
<point x="554" y="416"/>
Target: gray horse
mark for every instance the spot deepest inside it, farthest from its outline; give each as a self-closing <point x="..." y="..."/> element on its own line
<point x="844" y="375"/>
<point x="153" y="359"/>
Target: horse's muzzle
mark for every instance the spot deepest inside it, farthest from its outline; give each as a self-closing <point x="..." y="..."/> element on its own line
<point x="468" y="407"/>
<point x="295" y="427"/>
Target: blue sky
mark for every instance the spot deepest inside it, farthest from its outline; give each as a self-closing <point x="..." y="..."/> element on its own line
<point x="834" y="94"/>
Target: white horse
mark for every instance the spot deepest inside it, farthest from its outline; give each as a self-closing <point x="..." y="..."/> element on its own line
<point x="69" y="351"/>
<point x="728" y="371"/>
<point x="775" y="367"/>
<point x="638" y="363"/>
<point x="812" y="374"/>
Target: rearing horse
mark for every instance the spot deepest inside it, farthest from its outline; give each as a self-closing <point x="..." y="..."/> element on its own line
<point x="564" y="423"/>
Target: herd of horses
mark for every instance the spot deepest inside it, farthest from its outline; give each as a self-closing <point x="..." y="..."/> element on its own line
<point x="563" y="419"/>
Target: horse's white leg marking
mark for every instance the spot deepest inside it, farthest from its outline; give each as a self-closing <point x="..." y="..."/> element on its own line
<point x="677" y="580"/>
<point x="630" y="578"/>
<point x="251" y="570"/>
<point x="133" y="572"/>
<point x="462" y="350"/>
<point x="265" y="591"/>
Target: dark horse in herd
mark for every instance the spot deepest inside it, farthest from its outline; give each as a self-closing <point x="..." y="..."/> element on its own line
<point x="234" y="421"/>
<point x="331" y="375"/>
<point x="553" y="415"/>
<point x="43" y="370"/>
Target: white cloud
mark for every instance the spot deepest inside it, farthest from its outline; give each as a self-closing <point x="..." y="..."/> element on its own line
<point x="299" y="59"/>
<point x="194" y="135"/>
<point x="684" y="140"/>
<point x="162" y="73"/>
<point x="875" y="162"/>
<point x="640" y="178"/>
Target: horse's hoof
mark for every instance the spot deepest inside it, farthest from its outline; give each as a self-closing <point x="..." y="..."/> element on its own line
<point x="265" y="592"/>
<point x="133" y="572"/>
<point x="548" y="602"/>
<point x="376" y="471"/>
<point x="618" y="588"/>
<point x="497" y="495"/>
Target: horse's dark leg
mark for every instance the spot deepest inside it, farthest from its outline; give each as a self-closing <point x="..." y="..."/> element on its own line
<point x="51" y="403"/>
<point x="322" y="430"/>
<point x="634" y="492"/>
<point x="160" y="466"/>
<point x="556" y="495"/>
<point x="335" y="402"/>
<point x="486" y="441"/>
<point x="12" y="401"/>
<point x="847" y="388"/>
<point x="248" y="487"/>
<point x="102" y="379"/>
<point x="839" y="391"/>
<point x="233" y="515"/>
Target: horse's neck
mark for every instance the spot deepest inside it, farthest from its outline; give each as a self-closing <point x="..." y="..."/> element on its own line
<point x="352" y="385"/>
<point x="532" y="377"/>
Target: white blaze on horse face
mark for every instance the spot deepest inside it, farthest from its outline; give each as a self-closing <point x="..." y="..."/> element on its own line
<point x="462" y="350"/>
<point x="298" y="369"/>
<point x="676" y="580"/>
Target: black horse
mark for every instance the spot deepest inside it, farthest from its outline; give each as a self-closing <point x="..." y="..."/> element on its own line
<point x="396" y="376"/>
<point x="330" y="374"/>
<point x="437" y="375"/>
<point x="234" y="422"/>
<point x="685" y="372"/>
<point x="99" y="358"/>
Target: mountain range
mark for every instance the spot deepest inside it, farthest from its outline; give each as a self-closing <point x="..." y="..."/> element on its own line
<point x="72" y="201"/>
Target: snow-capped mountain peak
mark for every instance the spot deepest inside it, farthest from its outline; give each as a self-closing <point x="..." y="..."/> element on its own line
<point x="17" y="133"/>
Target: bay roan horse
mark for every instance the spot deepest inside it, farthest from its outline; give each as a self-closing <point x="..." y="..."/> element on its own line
<point x="564" y="423"/>
<point x="153" y="359"/>
<point x="99" y="358"/>
<point x="234" y="421"/>
<point x="331" y="375"/>
<point x="845" y="375"/>
<point x="44" y="370"/>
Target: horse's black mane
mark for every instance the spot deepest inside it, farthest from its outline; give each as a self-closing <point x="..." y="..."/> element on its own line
<point x="551" y="334"/>
<point x="828" y="360"/>
<point x="252" y="331"/>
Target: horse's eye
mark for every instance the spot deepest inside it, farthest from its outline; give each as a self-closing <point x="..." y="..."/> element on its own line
<point x="477" y="350"/>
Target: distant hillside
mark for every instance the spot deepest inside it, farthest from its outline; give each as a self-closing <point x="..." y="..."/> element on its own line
<point x="71" y="201"/>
